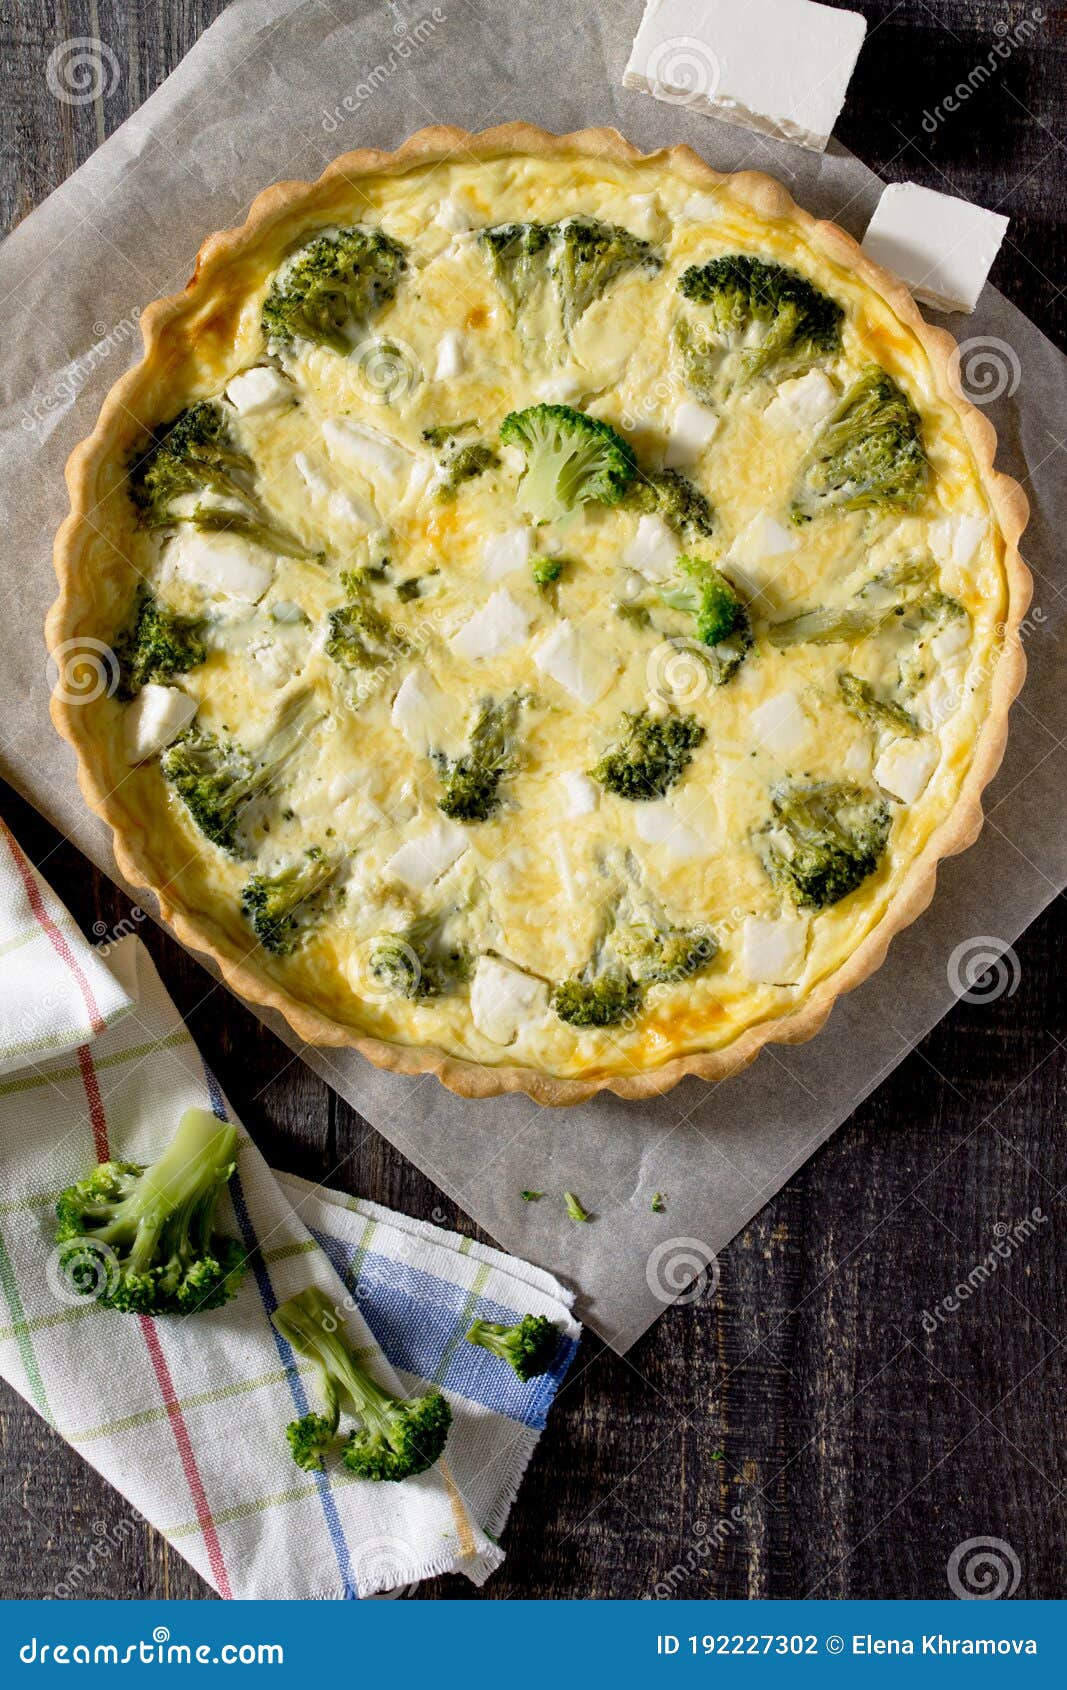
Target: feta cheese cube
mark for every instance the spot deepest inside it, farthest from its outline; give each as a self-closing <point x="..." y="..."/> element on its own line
<point x="941" y="697"/>
<point x="773" y="948"/>
<point x="451" y="355"/>
<point x="953" y="638"/>
<point x="693" y="428"/>
<point x="155" y="719"/>
<point x="763" y="537"/>
<point x="258" y="390"/>
<point x="780" y="725"/>
<point x="565" y="387"/>
<point x="802" y="403"/>
<point x="374" y="454"/>
<point x="504" y="554"/>
<point x="942" y="247"/>
<point x="582" y="794"/>
<point x="421" y="861"/>
<point x="659" y="823"/>
<point x="654" y="549"/>
<point x="504" y="1000"/>
<point x="781" y="67"/>
<point x="581" y="669"/>
<point x="955" y="539"/>
<point x="499" y="625"/>
<point x="905" y="767"/>
<point x="220" y="563"/>
<point x="426" y="716"/>
<point x="455" y="214"/>
<point x="345" y="507"/>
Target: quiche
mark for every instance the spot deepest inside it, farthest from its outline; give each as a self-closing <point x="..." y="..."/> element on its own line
<point x="539" y="612"/>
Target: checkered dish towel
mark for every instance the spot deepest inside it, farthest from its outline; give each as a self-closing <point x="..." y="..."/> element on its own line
<point x="187" y="1417"/>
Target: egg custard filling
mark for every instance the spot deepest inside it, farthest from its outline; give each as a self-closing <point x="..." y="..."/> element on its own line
<point x="559" y="607"/>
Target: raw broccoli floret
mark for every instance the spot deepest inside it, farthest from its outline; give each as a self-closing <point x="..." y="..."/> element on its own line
<point x="359" y="637"/>
<point x="651" y="753"/>
<point x="471" y="781"/>
<point x="867" y="455"/>
<point x="571" y="459"/>
<point x="283" y="907"/>
<point x="217" y="779"/>
<point x="518" y="255"/>
<point x="655" y="952"/>
<point x="398" y="1437"/>
<point x="824" y="838"/>
<point x="156" y="645"/>
<point x="465" y="463"/>
<point x="421" y="961"/>
<point x="194" y="459"/>
<point x="529" y="1346"/>
<point x="758" y="319"/>
<point x="588" y="257"/>
<point x="600" y="1001"/>
<point x="153" y="1227"/>
<point x="722" y="622"/>
<point x="329" y="290"/>
<point x="673" y="496"/>
<point x="861" y="698"/>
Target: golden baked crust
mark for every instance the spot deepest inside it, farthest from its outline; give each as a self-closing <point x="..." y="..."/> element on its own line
<point x="199" y="327"/>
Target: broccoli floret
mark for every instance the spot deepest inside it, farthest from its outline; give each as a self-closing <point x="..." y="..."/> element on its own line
<point x="571" y="459"/>
<point x="465" y="463"/>
<point x="398" y="1437"/>
<point x="589" y="257"/>
<point x="651" y="753"/>
<point x="655" y="952"/>
<point x="722" y="622"/>
<point x="359" y="637"/>
<point x="932" y="613"/>
<point x="673" y="497"/>
<point x="824" y="838"/>
<point x="472" y="780"/>
<point x="441" y="433"/>
<point x="890" y="595"/>
<point x="546" y="571"/>
<point x="195" y="458"/>
<point x="760" y="320"/>
<point x="861" y="698"/>
<point x="529" y="1346"/>
<point x="217" y="779"/>
<point x="329" y="290"/>
<point x="518" y="255"/>
<point x="868" y="453"/>
<point x="156" y="645"/>
<point x="601" y="1001"/>
<point x="421" y="961"/>
<point x="283" y="907"/>
<point x="154" y="1226"/>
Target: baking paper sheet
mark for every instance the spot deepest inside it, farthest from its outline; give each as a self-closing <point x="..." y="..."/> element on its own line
<point x="278" y="89"/>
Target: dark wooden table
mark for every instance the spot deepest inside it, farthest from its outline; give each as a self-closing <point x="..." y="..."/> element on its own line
<point x="803" y="1433"/>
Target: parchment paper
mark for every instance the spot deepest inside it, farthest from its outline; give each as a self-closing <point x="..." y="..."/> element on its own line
<point x="276" y="88"/>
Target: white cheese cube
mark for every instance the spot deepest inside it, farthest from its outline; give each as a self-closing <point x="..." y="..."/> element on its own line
<point x="503" y="554"/>
<point x="565" y="387"/>
<point x="781" y="67"/>
<point x="581" y="669"/>
<point x="258" y="390"/>
<point x="426" y="716"/>
<point x="857" y="760"/>
<point x="802" y="403"/>
<point x="955" y="539"/>
<point x="654" y="549"/>
<point x="582" y="794"/>
<point x="762" y="538"/>
<point x="780" y="725"/>
<point x="220" y="563"/>
<point x="942" y="247"/>
<point x="451" y="355"/>
<point x="155" y="719"/>
<point x="345" y="507"/>
<point x="455" y="214"/>
<point x="504" y="1000"/>
<point x="659" y="823"/>
<point x="693" y="428"/>
<point x="953" y="638"/>
<point x="905" y="767"/>
<point x="499" y="625"/>
<point x="646" y="216"/>
<point x="773" y="948"/>
<point x="702" y="208"/>
<point x="941" y="697"/>
<point x="423" y="860"/>
<point x="374" y="454"/>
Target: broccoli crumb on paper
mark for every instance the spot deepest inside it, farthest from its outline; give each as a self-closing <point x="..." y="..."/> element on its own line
<point x="574" y="1207"/>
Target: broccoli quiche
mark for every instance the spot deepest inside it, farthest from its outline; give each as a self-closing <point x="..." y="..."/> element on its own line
<point x="552" y="610"/>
